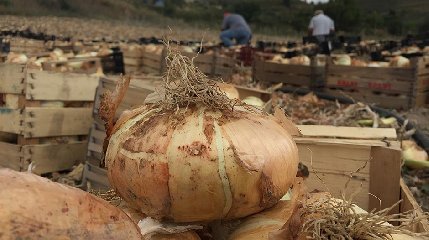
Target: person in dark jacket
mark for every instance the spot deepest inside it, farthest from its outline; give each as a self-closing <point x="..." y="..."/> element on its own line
<point x="234" y="26"/>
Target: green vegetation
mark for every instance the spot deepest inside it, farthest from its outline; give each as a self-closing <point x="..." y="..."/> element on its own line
<point x="277" y="17"/>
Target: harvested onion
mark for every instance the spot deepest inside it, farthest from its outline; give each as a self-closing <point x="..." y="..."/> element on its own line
<point x="32" y="207"/>
<point x="205" y="165"/>
<point x="197" y="156"/>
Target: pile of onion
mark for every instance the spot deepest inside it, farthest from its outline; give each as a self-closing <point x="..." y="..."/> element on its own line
<point x="197" y="155"/>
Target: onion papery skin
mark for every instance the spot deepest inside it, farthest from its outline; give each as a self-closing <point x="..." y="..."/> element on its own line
<point x="200" y="165"/>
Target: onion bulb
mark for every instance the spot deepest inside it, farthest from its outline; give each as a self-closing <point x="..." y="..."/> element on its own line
<point x="230" y="91"/>
<point x="300" y="60"/>
<point x="32" y="207"/>
<point x="414" y="153"/>
<point x="343" y="60"/>
<point x="202" y="165"/>
<point x="254" y="101"/>
<point x="399" y="61"/>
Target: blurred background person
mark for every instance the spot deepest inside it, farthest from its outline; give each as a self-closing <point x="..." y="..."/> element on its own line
<point x="235" y="27"/>
<point x="322" y="27"/>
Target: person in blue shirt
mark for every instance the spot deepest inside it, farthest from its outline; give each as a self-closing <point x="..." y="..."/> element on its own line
<point x="235" y="27"/>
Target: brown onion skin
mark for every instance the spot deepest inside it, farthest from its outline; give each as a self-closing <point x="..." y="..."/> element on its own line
<point x="32" y="207"/>
<point x="171" y="166"/>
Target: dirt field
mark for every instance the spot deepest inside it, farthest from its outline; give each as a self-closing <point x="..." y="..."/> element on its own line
<point x="90" y="29"/>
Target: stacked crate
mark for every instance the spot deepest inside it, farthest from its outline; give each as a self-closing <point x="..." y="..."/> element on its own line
<point x="140" y="87"/>
<point x="153" y="59"/>
<point x="389" y="87"/>
<point x="133" y="59"/>
<point x="214" y="65"/>
<point x="28" y="46"/>
<point x="45" y="118"/>
<point x="311" y="77"/>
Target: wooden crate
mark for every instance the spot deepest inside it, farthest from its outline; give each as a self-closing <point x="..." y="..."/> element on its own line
<point x="333" y="153"/>
<point x="133" y="60"/>
<point x="389" y="87"/>
<point x="45" y="118"/>
<point x="94" y="178"/>
<point x="312" y="76"/>
<point x="214" y="65"/>
<point x="139" y="89"/>
<point x="75" y="65"/>
<point x="23" y="45"/>
<point x="154" y="62"/>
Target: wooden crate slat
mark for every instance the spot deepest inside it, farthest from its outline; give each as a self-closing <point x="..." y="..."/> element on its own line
<point x="10" y="120"/>
<point x="336" y="186"/>
<point x="133" y="61"/>
<point x="152" y="56"/>
<point x="45" y="122"/>
<point x="385" y="186"/>
<point x="96" y="177"/>
<point x="283" y="78"/>
<point x="351" y="157"/>
<point x="60" y="86"/>
<point x="385" y="73"/>
<point x="409" y="204"/>
<point x="397" y="102"/>
<point x="98" y="134"/>
<point x="54" y="157"/>
<point x="347" y="132"/>
<point x="132" y="53"/>
<point x="12" y="78"/>
<point x="370" y="84"/>
<point x="152" y="63"/>
<point x="288" y="68"/>
<point x="12" y="101"/>
<point x="10" y="156"/>
<point x="423" y="83"/>
<point x="95" y="147"/>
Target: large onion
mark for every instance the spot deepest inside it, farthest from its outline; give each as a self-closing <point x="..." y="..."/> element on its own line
<point x="202" y="165"/>
<point x="32" y="207"/>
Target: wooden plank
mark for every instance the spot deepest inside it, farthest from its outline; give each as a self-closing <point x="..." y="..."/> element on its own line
<point x="45" y="122"/>
<point x="347" y="132"/>
<point x="96" y="177"/>
<point x="95" y="147"/>
<point x="12" y="78"/>
<point x="396" y="102"/>
<point x="12" y="101"/>
<point x="152" y="63"/>
<point x="409" y="204"/>
<point x="283" y="78"/>
<point x="385" y="174"/>
<point x="287" y="68"/>
<point x="336" y="185"/>
<point x="326" y="158"/>
<point x="333" y="163"/>
<point x="43" y="85"/>
<point x="133" y="61"/>
<point x="386" y="73"/>
<point x="97" y="134"/>
<point x="352" y="82"/>
<point x="47" y="158"/>
<point x="10" y="156"/>
<point x="10" y="120"/>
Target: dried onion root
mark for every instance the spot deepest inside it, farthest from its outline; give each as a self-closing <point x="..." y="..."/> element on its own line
<point x="109" y="196"/>
<point x="185" y="84"/>
<point x="330" y="218"/>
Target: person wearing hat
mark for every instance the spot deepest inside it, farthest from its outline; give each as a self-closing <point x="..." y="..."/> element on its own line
<point x="235" y="27"/>
<point x="321" y="27"/>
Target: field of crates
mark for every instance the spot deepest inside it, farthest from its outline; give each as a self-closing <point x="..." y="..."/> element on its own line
<point x="359" y="111"/>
